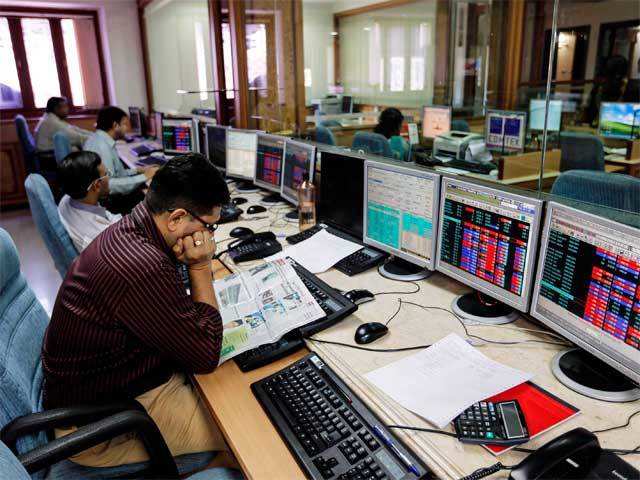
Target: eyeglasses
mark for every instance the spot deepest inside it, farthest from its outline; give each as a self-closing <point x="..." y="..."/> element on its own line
<point x="96" y="181"/>
<point x="212" y="227"/>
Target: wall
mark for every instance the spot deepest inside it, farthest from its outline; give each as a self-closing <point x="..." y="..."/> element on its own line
<point x="317" y="25"/>
<point x="121" y="43"/>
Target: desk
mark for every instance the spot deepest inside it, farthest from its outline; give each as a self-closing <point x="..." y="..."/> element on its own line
<point x="630" y="166"/>
<point x="127" y="156"/>
<point x="263" y="455"/>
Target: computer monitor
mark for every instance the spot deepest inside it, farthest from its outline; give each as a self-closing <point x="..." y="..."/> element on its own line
<point x="269" y="157"/>
<point x="216" y="140"/>
<point x="157" y="125"/>
<point x="400" y="212"/>
<point x="619" y="120"/>
<point x="201" y="131"/>
<point x="588" y="290"/>
<point x="340" y="203"/>
<point x="435" y="121"/>
<point x="135" y="120"/>
<point x="178" y="135"/>
<point x="487" y="239"/>
<point x="299" y="159"/>
<point x="505" y="130"/>
<point x="537" y="111"/>
<point x="241" y="154"/>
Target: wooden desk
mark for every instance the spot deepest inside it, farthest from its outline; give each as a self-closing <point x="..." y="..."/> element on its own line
<point x="629" y="166"/>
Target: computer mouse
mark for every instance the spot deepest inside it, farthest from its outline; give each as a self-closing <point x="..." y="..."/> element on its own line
<point x="359" y="296"/>
<point x="239" y="200"/>
<point x="241" y="232"/>
<point x="256" y="209"/>
<point x="369" y="332"/>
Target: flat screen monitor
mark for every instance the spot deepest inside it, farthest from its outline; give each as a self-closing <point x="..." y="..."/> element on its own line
<point x="400" y="211"/>
<point x="619" y="120"/>
<point x="435" y="121"/>
<point x="340" y="203"/>
<point x="241" y="154"/>
<point x="157" y="125"/>
<point x="216" y="139"/>
<point x="505" y="130"/>
<point x="178" y="135"/>
<point x="488" y="238"/>
<point x="588" y="285"/>
<point x="201" y="130"/>
<point x="269" y="157"/>
<point x="135" y="119"/>
<point x="537" y="111"/>
<point x="299" y="159"/>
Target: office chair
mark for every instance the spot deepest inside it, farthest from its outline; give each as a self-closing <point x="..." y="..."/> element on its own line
<point x="61" y="147"/>
<point x="324" y="135"/>
<point x="28" y="144"/>
<point x="460" y="125"/>
<point x="581" y="151"/>
<point x="25" y="426"/>
<point x="611" y="190"/>
<point x="47" y="220"/>
<point x="372" y="143"/>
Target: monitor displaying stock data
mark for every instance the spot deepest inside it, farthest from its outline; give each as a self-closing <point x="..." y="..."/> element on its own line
<point x="400" y="207"/>
<point x="588" y="285"/>
<point x="269" y="157"/>
<point x="178" y="135"/>
<point x="299" y="159"/>
<point x="241" y="154"/>
<point x="488" y="239"/>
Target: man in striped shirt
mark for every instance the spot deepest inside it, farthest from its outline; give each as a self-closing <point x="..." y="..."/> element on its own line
<point x="123" y="326"/>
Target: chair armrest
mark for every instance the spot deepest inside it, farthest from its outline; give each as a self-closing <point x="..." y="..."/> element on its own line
<point x="162" y="463"/>
<point x="60" y="418"/>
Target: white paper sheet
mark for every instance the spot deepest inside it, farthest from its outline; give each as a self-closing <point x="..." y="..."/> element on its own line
<point x="443" y="380"/>
<point x="320" y="252"/>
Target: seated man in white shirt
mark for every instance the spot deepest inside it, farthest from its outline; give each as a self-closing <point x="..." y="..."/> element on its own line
<point x="53" y="121"/>
<point x="84" y="181"/>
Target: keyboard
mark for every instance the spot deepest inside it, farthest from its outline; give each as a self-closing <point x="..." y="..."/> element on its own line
<point x="356" y="263"/>
<point x="335" y="306"/>
<point x="484" y="168"/>
<point x="144" y="149"/>
<point x="332" y="434"/>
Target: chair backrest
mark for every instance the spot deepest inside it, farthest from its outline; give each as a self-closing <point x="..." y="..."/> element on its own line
<point x="27" y="142"/>
<point x="10" y="466"/>
<point x="324" y="135"/>
<point x="23" y="322"/>
<point x="47" y="220"/>
<point x="460" y="125"/>
<point x="581" y="151"/>
<point x="373" y="143"/>
<point x="61" y="146"/>
<point x="611" y="190"/>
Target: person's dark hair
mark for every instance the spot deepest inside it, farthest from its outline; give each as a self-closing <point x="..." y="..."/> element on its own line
<point x="77" y="171"/>
<point x="54" y="102"/>
<point x="389" y="122"/>
<point x="107" y="116"/>
<point x="187" y="181"/>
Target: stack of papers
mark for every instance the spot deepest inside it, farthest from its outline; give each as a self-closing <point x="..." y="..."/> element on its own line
<point x="320" y="252"/>
<point x="445" y="379"/>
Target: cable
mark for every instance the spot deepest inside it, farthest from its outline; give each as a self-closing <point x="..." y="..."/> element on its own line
<point x="400" y="293"/>
<point x="421" y="429"/>
<point x="486" y="471"/>
<point x="626" y="424"/>
<point x="358" y="347"/>
<point x="395" y="314"/>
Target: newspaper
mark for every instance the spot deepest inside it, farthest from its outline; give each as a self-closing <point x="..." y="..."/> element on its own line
<point x="261" y="304"/>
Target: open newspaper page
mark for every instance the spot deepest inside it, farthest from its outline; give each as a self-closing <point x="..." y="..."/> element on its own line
<point x="260" y="305"/>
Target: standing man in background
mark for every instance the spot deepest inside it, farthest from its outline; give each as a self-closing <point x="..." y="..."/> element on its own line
<point x="54" y="121"/>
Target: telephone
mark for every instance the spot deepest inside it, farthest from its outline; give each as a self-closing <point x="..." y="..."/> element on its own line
<point x="575" y="454"/>
<point x="255" y="247"/>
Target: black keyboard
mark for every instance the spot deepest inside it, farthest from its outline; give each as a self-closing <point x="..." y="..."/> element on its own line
<point x="473" y="167"/>
<point x="329" y="431"/>
<point x="356" y="263"/>
<point x="335" y="306"/>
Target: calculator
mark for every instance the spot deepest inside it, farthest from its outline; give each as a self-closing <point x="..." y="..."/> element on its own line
<point x="499" y="423"/>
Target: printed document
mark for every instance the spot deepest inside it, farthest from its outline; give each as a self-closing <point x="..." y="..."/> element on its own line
<point x="445" y="379"/>
<point x="260" y="305"/>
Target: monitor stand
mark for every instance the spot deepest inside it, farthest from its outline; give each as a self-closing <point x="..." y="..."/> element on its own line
<point x="480" y="308"/>
<point x="580" y="371"/>
<point x="246" y="187"/>
<point x="271" y="199"/>
<point x="403" y="271"/>
<point x="292" y="217"/>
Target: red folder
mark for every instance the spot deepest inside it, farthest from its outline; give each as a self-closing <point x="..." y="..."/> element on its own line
<point x="542" y="410"/>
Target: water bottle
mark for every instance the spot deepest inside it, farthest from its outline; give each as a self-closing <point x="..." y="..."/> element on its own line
<point x="306" y="203"/>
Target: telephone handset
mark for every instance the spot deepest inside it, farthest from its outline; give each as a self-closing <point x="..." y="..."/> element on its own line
<point x="255" y="247"/>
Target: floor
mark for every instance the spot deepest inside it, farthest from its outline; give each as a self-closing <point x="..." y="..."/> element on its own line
<point x="35" y="262"/>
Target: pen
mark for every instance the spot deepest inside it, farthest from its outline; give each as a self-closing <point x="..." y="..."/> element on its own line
<point x="389" y="443"/>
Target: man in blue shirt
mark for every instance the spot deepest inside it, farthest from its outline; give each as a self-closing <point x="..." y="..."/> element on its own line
<point x="125" y="185"/>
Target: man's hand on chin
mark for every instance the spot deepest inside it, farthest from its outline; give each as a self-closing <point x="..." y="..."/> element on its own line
<point x="196" y="250"/>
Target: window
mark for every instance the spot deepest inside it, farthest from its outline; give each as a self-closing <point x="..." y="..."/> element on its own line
<point x="50" y="53"/>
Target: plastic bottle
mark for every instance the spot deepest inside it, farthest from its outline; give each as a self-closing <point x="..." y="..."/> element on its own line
<point x="306" y="203"/>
